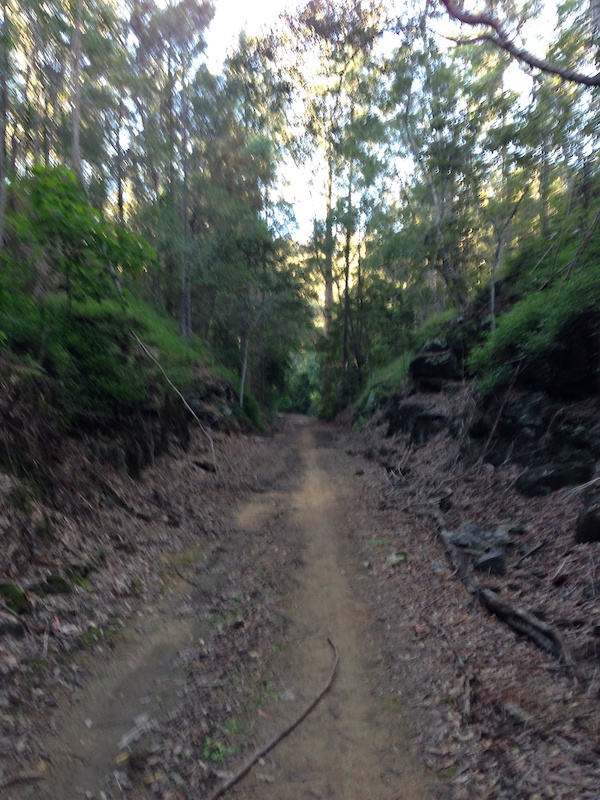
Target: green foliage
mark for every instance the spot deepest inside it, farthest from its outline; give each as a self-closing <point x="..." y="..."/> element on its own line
<point x="215" y="751"/>
<point x="62" y="235"/>
<point x="381" y="386"/>
<point x="302" y="389"/>
<point x="386" y="380"/>
<point x="535" y="325"/>
<point x="91" y="352"/>
<point x="430" y="328"/>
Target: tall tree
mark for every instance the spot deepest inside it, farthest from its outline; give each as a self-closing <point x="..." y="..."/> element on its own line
<point x="5" y="60"/>
<point x="337" y="35"/>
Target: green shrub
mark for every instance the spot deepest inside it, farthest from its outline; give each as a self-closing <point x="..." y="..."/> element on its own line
<point x="534" y="326"/>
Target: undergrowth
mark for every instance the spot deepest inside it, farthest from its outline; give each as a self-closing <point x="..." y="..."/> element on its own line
<point x="535" y="325"/>
<point x="89" y="349"/>
<point x="385" y="381"/>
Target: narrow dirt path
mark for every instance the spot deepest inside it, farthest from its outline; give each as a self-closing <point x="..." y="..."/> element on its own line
<point x="141" y="726"/>
<point x="354" y="745"/>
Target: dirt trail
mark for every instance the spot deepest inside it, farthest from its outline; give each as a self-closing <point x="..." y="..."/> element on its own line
<point x="353" y="746"/>
<point x="132" y="687"/>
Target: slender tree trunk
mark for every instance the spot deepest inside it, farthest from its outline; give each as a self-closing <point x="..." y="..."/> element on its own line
<point x="244" y="373"/>
<point x="347" y="248"/>
<point x="359" y="325"/>
<point x="171" y="119"/>
<point x="328" y="270"/>
<point x="545" y="191"/>
<point x="4" y="44"/>
<point x="47" y="135"/>
<point x="76" y="90"/>
<point x="119" y="164"/>
<point x="185" y="312"/>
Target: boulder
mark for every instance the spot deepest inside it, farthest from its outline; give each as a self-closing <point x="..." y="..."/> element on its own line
<point x="415" y="420"/>
<point x="526" y="412"/>
<point x="431" y="367"/>
<point x="570" y="370"/>
<point x="469" y="536"/>
<point x="541" y="481"/>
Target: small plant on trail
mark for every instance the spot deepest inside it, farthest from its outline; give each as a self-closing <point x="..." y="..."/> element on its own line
<point x="216" y="751"/>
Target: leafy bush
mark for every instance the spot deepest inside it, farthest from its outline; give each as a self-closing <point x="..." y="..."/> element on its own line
<point x="535" y="325"/>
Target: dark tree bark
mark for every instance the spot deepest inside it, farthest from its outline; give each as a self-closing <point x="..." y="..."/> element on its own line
<point x="501" y="39"/>
<point x="76" y="90"/>
<point x="4" y="44"/>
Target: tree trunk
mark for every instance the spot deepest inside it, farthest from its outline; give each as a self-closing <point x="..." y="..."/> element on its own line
<point x="328" y="270"/>
<point x="119" y="164"/>
<point x="347" y="247"/>
<point x="544" y="192"/>
<point x="4" y="43"/>
<point x="76" y="90"/>
<point x="246" y="348"/>
<point x="185" y="313"/>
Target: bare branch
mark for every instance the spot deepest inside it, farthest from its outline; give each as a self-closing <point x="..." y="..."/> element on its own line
<point x="501" y="39"/>
<point x="221" y="790"/>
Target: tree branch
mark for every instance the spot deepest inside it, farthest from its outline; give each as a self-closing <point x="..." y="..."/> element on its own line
<point x="220" y="790"/>
<point x="502" y="40"/>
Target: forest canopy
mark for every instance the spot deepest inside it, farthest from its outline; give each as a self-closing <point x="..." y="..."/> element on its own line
<point x="436" y="142"/>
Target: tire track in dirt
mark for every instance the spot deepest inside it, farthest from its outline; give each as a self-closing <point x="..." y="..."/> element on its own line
<point x="354" y="745"/>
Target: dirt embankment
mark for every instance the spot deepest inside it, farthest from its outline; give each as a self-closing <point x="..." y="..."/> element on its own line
<point x="309" y="534"/>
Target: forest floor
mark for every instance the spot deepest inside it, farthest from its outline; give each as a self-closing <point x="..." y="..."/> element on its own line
<point x="211" y="620"/>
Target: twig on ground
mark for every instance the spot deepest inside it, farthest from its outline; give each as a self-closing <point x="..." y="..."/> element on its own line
<point x="220" y="791"/>
<point x="582" y="487"/>
<point x="46" y="638"/>
<point x="195" y="584"/>
<point x="22" y="777"/>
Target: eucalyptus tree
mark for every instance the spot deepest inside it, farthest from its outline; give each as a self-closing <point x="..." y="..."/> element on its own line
<point x="503" y="30"/>
<point x="436" y="128"/>
<point x="6" y="47"/>
<point x="239" y="279"/>
<point x="167" y="44"/>
<point x="335" y="37"/>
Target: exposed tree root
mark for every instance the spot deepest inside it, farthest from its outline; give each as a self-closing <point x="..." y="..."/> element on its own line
<point x="22" y="777"/>
<point x="220" y="791"/>
<point x="521" y="621"/>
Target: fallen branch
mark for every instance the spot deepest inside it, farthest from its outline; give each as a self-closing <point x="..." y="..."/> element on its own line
<point x="153" y="358"/>
<point x="526" y="623"/>
<point x="521" y="621"/>
<point x="220" y="791"/>
<point x="22" y="777"/>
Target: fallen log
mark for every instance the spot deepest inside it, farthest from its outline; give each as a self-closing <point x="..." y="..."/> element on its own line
<point x="520" y="620"/>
